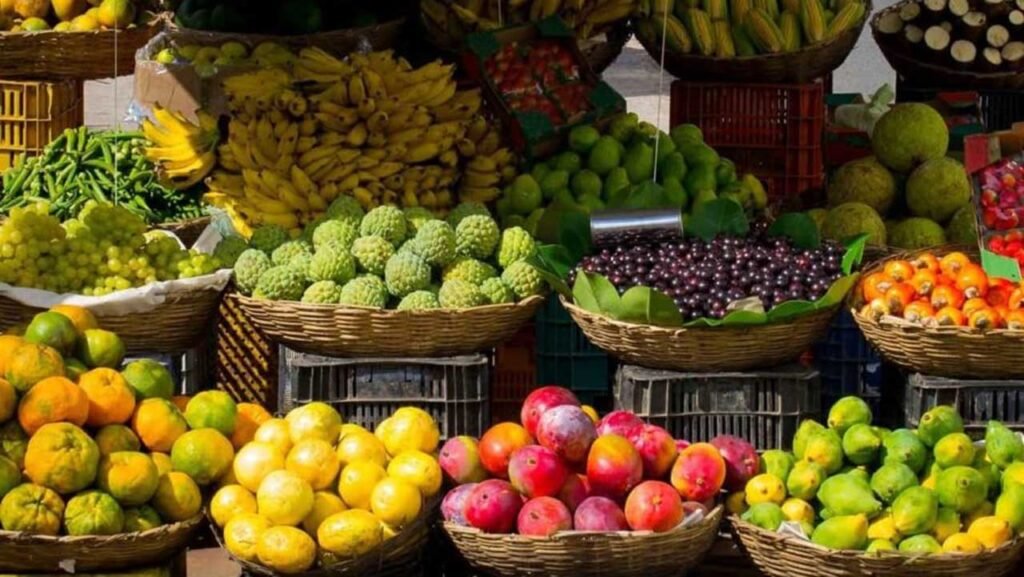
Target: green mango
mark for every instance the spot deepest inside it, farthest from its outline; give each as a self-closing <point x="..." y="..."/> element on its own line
<point x="920" y="544"/>
<point x="955" y="449"/>
<point x="861" y="444"/>
<point x="616" y="186"/>
<point x="946" y="524"/>
<point x="1002" y="445"/>
<point x="993" y="475"/>
<point x="860" y="473"/>
<point x="702" y="155"/>
<point x="699" y="178"/>
<point x="826" y="449"/>
<point x="879" y="545"/>
<point x="623" y="127"/>
<point x="767" y="516"/>
<point x="686" y="135"/>
<point x="777" y="462"/>
<point x="804" y="432"/>
<point x="672" y="166"/>
<point x="848" y="495"/>
<point x="675" y="194"/>
<point x="725" y="173"/>
<point x="847" y="412"/>
<point x="639" y="163"/>
<point x="903" y="446"/>
<point x="805" y="479"/>
<point x="892" y="479"/>
<point x="842" y="532"/>
<point x="915" y="511"/>
<point x="937" y="423"/>
<point x="605" y="156"/>
<point x="961" y="488"/>
<point x="1010" y="506"/>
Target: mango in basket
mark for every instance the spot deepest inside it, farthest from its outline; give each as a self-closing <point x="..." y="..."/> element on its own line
<point x="991" y="532"/>
<point x="844" y="532"/>
<point x="962" y="543"/>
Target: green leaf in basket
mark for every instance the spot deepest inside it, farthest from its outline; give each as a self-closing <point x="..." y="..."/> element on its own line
<point x="790" y="309"/>
<point x="738" y="318"/>
<point x="595" y="293"/>
<point x="837" y="292"/>
<point x="798" y="227"/>
<point x="568" y="226"/>
<point x="717" y="217"/>
<point x="644" y="305"/>
<point x="553" y="263"/>
<point x="854" y="252"/>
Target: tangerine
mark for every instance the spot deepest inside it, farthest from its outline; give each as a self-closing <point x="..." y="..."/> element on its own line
<point x="53" y="400"/>
<point x="111" y="400"/>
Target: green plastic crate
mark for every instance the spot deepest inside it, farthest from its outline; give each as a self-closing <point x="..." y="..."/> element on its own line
<point x="565" y="357"/>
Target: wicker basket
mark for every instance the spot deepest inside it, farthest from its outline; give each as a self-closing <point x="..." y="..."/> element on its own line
<point x="188" y="230"/>
<point x="578" y="553"/>
<point x="941" y="351"/>
<point x="799" y="67"/>
<point x="703" y="349"/>
<point x="176" y="325"/>
<point x="377" y="37"/>
<point x="936" y="75"/>
<point x="786" y="556"/>
<point x="339" y="331"/>
<point x="23" y="552"/>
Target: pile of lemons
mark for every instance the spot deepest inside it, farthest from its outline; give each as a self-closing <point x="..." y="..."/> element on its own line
<point x="309" y="489"/>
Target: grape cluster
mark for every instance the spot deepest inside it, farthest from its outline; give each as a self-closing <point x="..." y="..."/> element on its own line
<point x="703" y="278"/>
<point x="105" y="249"/>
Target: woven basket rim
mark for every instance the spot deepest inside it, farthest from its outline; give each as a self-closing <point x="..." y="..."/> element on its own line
<point x="98" y="540"/>
<point x="792" y="540"/>
<point x="389" y="314"/>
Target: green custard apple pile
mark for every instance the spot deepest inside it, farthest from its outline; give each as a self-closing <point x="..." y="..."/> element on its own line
<point x="853" y="486"/>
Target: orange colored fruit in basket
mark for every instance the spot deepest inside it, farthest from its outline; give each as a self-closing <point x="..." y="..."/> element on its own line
<point x="947" y="296"/>
<point x="8" y="400"/>
<point x="275" y="432"/>
<point x="213" y="409"/>
<point x="229" y="502"/>
<point x="315" y="421"/>
<point x="162" y="462"/>
<point x="81" y="317"/>
<point x="876" y="309"/>
<point x="250" y="417"/>
<point x="53" y="330"/>
<point x="1015" y="320"/>
<point x="177" y="497"/>
<point x="31" y="363"/>
<point x="899" y="296"/>
<point x="350" y="533"/>
<point x="158" y="423"/>
<point x="498" y="444"/>
<point x="973" y="281"/>
<point x="325" y="504"/>
<point x="286" y="549"/>
<point x="285" y="498"/>
<point x="315" y="461"/>
<point x="973" y="305"/>
<point x="699" y="472"/>
<point x="114" y="438"/>
<point x="204" y="454"/>
<point x="926" y="261"/>
<point x="875" y="285"/>
<point x="899" y="270"/>
<point x="130" y="477"/>
<point x="1014" y="302"/>
<point x="924" y="281"/>
<point x="53" y="400"/>
<point x="62" y="457"/>
<point x="100" y="348"/>
<point x="919" y="311"/>
<point x="32" y="509"/>
<point x="999" y="291"/>
<point x="254" y="462"/>
<point x="396" y="502"/>
<point x="984" y="318"/>
<point x="952" y="263"/>
<point x="111" y="400"/>
<point x="950" y="317"/>
<point x="7" y="345"/>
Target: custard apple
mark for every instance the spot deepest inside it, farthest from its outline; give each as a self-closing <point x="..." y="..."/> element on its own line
<point x="523" y="279"/>
<point x="251" y="264"/>
<point x="466" y="209"/>
<point x="280" y="283"/>
<point x="337" y="232"/>
<point x="364" y="291"/>
<point x="469" y="270"/>
<point x="387" y="222"/>
<point x="290" y="249"/>
<point x="459" y="294"/>
<point x="300" y="263"/>
<point x="497" y="292"/>
<point x="435" y="243"/>
<point x="477" y="236"/>
<point x="322" y="292"/>
<point x="347" y="209"/>
<point x="372" y="253"/>
<point x="405" y="273"/>
<point x="332" y="263"/>
<point x="515" y="245"/>
<point x="268" y="237"/>
<point x="229" y="249"/>
<point x="418" y="301"/>
<point x="416" y="217"/>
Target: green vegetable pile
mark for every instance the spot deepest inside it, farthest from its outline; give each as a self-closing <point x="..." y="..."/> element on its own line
<point x="106" y="166"/>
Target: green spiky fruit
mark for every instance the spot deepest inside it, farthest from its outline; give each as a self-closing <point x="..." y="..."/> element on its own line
<point x="418" y="301"/>
<point x="337" y="232"/>
<point x="268" y="237"/>
<point x="300" y="263"/>
<point x="387" y="222"/>
<point x="416" y="217"/>
<point x="405" y="272"/>
<point x="280" y="283"/>
<point x="322" y="292"/>
<point x="497" y="292"/>
<point x="468" y="269"/>
<point x="434" y="243"/>
<point x="364" y="291"/>
<point x="229" y="249"/>
<point x="466" y="209"/>
<point x="372" y="254"/>
<point x="332" y="263"/>
<point x="251" y="264"/>
<point x="284" y="253"/>
<point x="477" y="236"/>
<point x="515" y="245"/>
<point x="459" y="294"/>
<point x="346" y="208"/>
<point x="523" y="279"/>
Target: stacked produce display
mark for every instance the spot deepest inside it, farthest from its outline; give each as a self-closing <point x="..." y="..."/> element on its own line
<point x="71" y="15"/>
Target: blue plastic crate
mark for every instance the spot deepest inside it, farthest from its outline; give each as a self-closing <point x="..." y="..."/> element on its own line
<point x="564" y="355"/>
<point x="848" y="364"/>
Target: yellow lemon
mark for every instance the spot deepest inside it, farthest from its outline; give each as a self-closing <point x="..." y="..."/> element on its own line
<point x="356" y="483"/>
<point x="991" y="532"/>
<point x="765" y="488"/>
<point x="324" y="505"/>
<point x="254" y="462"/>
<point x="274" y="432"/>
<point x="419" y="469"/>
<point x="229" y="502"/>
<point x="361" y="446"/>
<point x="177" y="497"/>
<point x="314" y="421"/>
<point x="396" y="502"/>
<point x="736" y="503"/>
<point x="286" y="549"/>
<point x="242" y="533"/>
<point x="284" y="498"/>
<point x="409" y="428"/>
<point x="961" y="543"/>
<point x="351" y="429"/>
<point x="315" y="461"/>
<point x="350" y="533"/>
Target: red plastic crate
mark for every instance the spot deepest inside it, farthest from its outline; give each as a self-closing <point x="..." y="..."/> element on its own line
<point x="771" y="130"/>
<point x="515" y="375"/>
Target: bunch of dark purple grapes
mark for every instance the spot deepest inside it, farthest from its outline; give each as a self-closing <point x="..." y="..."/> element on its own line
<point x="703" y="278"/>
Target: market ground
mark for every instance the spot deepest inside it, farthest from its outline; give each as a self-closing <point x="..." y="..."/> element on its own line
<point x="634" y="74"/>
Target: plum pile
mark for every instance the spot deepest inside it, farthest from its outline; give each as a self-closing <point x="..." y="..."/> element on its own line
<point x="703" y="278"/>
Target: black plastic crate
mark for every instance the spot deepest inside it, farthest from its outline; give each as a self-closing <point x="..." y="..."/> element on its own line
<point x="764" y="407"/>
<point x="565" y="357"/>
<point x="454" y="390"/>
<point x="999" y="108"/>
<point x="192" y="371"/>
<point x="978" y="402"/>
<point x="848" y="365"/>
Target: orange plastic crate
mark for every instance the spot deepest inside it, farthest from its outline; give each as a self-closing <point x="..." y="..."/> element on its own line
<point x="32" y="114"/>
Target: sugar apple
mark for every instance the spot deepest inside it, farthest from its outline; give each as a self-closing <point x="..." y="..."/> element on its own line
<point x="515" y="245"/>
<point x="387" y="222"/>
<point x="435" y="243"/>
<point x="523" y="279"/>
<point x="465" y="209"/>
<point x="300" y="263"/>
<point x="963" y="227"/>
<point x="863" y="180"/>
<point x="338" y="232"/>
<point x="851" y="219"/>
<point x="937" y="188"/>
<point x="364" y="291"/>
<point x="469" y="270"/>
<point x="345" y="208"/>
<point x="416" y="217"/>
<point x="229" y="249"/>
<point x="310" y="229"/>
<point x="251" y="264"/>
<point x="476" y="236"/>
<point x="418" y="301"/>
<point x="280" y="283"/>
<point x="268" y="237"/>
<point x="497" y="292"/>
<point x="459" y="294"/>
<point x="332" y="263"/>
<point x="322" y="292"/>
<point x="404" y="273"/>
<point x="914" y="233"/>
<point x="290" y="249"/>
<point x="372" y="253"/>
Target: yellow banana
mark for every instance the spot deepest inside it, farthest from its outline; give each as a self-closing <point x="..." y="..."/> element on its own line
<point x="356" y="89"/>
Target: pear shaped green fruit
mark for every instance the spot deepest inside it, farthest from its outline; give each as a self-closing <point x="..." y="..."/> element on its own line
<point x="954" y="449"/>
<point x="604" y="156"/>
<point x="805" y="479"/>
<point x="807" y="428"/>
<point x="891" y="480"/>
<point x="848" y="495"/>
<point x="843" y="532"/>
<point x="1002" y="445"/>
<point x="765" y="515"/>
<point x="582" y="138"/>
<point x="699" y="178"/>
<point x="903" y="446"/>
<point x="879" y="545"/>
<point x="847" y="412"/>
<point x="665" y="146"/>
<point x="672" y="166"/>
<point x="861" y="444"/>
<point x="915" y="511"/>
<point x="675" y="193"/>
<point x="639" y="162"/>
<point x="616" y="182"/>
<point x="946" y="524"/>
<point x="624" y="126"/>
<point x="993" y="475"/>
<point x="1010" y="506"/>
<point x="568" y="161"/>
<point x="961" y="488"/>
<point x="777" y="462"/>
<point x="826" y="449"/>
<point x="939" y="422"/>
<point x="925" y="544"/>
<point x="859" y="472"/>
<point x="686" y="135"/>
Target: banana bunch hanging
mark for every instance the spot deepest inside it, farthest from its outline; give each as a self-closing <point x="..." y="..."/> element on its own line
<point x="182" y="152"/>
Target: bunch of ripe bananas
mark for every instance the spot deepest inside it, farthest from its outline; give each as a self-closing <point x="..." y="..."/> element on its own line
<point x="448" y="21"/>
<point x="182" y="152"/>
<point x="369" y="126"/>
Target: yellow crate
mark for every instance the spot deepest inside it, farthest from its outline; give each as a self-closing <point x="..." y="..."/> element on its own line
<point x="33" y="114"/>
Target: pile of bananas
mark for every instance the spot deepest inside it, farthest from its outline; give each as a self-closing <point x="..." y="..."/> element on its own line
<point x="448" y="21"/>
<point x="731" y="28"/>
<point x="183" y="153"/>
<point x="369" y="126"/>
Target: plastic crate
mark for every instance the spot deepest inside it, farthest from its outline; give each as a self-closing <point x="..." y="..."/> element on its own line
<point x="763" y="407"/>
<point x="977" y="401"/>
<point x="32" y="114"/>
<point x="848" y="364"/>
<point x="246" y="363"/>
<point x="564" y="355"/>
<point x="999" y="108"/>
<point x="771" y="130"/>
<point x="515" y="374"/>
<point x="192" y="371"/>
<point x="453" y="390"/>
